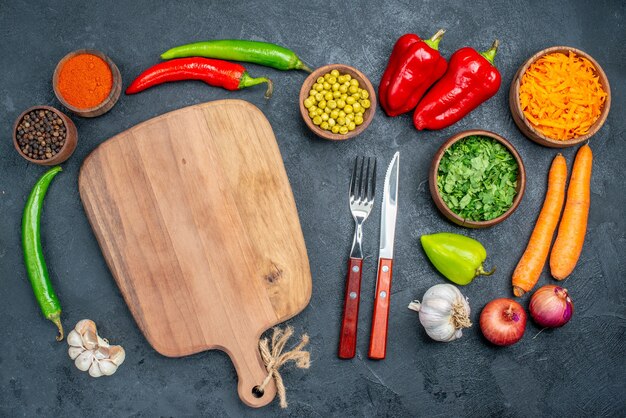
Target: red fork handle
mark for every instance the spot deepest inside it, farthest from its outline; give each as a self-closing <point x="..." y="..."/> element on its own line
<point x="380" y="318"/>
<point x="347" y="338"/>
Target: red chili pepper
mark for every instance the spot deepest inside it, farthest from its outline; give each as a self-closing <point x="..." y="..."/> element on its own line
<point x="228" y="75"/>
<point x="470" y="80"/>
<point x="414" y="65"/>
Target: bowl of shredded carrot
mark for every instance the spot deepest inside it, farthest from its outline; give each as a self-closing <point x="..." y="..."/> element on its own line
<point x="560" y="97"/>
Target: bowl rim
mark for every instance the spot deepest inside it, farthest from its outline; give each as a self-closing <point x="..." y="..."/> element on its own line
<point x="534" y="134"/>
<point x="113" y="94"/>
<point x="368" y="115"/>
<point x="436" y="195"/>
<point x="68" y="132"/>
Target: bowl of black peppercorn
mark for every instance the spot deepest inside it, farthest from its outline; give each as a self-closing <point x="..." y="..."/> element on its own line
<point x="44" y="135"/>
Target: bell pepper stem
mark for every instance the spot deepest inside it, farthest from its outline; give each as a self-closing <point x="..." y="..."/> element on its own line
<point x="433" y="42"/>
<point x="480" y="271"/>
<point x="56" y="319"/>
<point x="490" y="54"/>
<point x="247" y="81"/>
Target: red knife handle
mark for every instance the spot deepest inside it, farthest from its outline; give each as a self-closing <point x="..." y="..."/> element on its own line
<point x="380" y="318"/>
<point x="347" y="339"/>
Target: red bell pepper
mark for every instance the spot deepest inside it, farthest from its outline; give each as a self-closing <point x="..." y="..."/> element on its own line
<point x="470" y="80"/>
<point x="228" y="75"/>
<point x="414" y="65"/>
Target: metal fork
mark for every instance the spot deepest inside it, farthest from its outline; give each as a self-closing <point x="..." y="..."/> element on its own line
<point x="362" y="192"/>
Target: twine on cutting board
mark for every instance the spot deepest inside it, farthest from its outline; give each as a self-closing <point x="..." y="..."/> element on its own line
<point x="273" y="357"/>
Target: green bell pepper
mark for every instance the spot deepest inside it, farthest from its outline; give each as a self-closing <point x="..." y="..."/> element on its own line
<point x="459" y="258"/>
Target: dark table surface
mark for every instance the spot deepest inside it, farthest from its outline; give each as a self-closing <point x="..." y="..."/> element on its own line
<point x="579" y="370"/>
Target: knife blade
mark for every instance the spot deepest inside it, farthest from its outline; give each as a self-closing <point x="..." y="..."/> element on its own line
<point x="389" y="212"/>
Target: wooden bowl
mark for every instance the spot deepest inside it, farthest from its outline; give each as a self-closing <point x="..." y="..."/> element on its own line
<point x="527" y="128"/>
<point x="364" y="83"/>
<point x="107" y="103"/>
<point x="441" y="205"/>
<point x="70" y="140"/>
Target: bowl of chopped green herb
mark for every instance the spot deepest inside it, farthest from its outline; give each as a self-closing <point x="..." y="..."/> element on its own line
<point x="477" y="179"/>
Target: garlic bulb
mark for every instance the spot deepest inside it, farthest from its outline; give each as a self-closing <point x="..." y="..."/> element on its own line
<point x="92" y="353"/>
<point x="443" y="312"/>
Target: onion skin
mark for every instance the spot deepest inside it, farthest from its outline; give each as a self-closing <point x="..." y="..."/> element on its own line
<point x="503" y="321"/>
<point x="551" y="306"/>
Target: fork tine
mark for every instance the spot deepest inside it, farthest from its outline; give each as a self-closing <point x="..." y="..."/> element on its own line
<point x="373" y="184"/>
<point x="362" y="179"/>
<point x="353" y="179"/>
<point x="368" y="182"/>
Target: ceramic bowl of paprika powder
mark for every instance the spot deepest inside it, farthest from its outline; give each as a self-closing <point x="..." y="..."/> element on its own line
<point x="87" y="82"/>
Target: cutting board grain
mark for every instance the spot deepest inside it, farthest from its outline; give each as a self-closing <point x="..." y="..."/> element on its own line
<point x="196" y="219"/>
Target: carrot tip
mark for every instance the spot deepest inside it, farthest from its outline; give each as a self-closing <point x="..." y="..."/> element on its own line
<point x="518" y="291"/>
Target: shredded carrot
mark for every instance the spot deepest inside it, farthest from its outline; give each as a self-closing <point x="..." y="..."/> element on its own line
<point x="561" y="95"/>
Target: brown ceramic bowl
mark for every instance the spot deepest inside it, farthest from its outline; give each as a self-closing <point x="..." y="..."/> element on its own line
<point x="364" y="83"/>
<point x="108" y="103"/>
<point x="523" y="124"/>
<point x="434" y="190"/>
<point x="70" y="140"/>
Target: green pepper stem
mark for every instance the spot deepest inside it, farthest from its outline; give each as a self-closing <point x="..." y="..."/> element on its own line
<point x="480" y="271"/>
<point x="247" y="81"/>
<point x="56" y="319"/>
<point x="490" y="54"/>
<point x="302" y="66"/>
<point x="433" y="42"/>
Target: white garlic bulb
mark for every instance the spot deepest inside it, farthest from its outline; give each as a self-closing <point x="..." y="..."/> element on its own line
<point x="443" y="312"/>
<point x="92" y="353"/>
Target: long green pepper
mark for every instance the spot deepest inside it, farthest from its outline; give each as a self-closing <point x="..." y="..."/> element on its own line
<point x="33" y="253"/>
<point x="262" y="53"/>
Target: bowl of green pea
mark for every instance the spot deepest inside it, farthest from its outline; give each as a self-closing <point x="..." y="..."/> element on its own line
<point x="337" y="102"/>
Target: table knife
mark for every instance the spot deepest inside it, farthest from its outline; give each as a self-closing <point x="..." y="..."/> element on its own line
<point x="380" y="317"/>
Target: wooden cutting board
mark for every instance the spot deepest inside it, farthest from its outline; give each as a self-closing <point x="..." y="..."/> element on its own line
<point x="196" y="219"/>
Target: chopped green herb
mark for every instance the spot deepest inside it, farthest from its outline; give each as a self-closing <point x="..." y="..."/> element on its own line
<point x="477" y="178"/>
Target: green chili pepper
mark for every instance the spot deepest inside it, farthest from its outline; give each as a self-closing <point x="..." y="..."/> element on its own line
<point x="33" y="253"/>
<point x="457" y="257"/>
<point x="262" y="53"/>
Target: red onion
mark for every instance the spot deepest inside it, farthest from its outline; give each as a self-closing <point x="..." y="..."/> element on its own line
<point x="551" y="306"/>
<point x="503" y="321"/>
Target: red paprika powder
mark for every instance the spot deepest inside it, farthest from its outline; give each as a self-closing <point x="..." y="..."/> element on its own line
<point x="85" y="81"/>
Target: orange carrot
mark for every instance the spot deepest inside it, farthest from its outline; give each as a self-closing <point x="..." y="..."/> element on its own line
<point x="534" y="258"/>
<point x="571" y="235"/>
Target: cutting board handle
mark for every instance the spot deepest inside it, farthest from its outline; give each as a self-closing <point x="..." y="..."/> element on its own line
<point x="251" y="372"/>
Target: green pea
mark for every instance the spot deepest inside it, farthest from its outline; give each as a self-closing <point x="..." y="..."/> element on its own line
<point x="359" y="114"/>
<point x="327" y="109"/>
<point x="334" y="114"/>
<point x="350" y="100"/>
<point x="317" y="120"/>
<point x="341" y="104"/>
<point x="354" y="82"/>
<point x="351" y="126"/>
<point x="320" y="80"/>
<point x="350" y="116"/>
<point x="344" y="96"/>
<point x="356" y="96"/>
<point x="335" y="86"/>
<point x="322" y="104"/>
<point x="358" y="120"/>
<point x="353" y="89"/>
<point x="341" y="79"/>
<point x="341" y="121"/>
<point x="319" y="112"/>
<point x="332" y="122"/>
<point x="318" y="87"/>
<point x="342" y="114"/>
<point x="326" y="85"/>
<point x="328" y="96"/>
<point x="319" y="97"/>
<point x="348" y="77"/>
<point x="335" y="129"/>
<point x="312" y="114"/>
<point x="324" y="126"/>
<point x="343" y="88"/>
<point x="343" y="130"/>
<point x="334" y="73"/>
<point x="357" y="107"/>
<point x="365" y="103"/>
<point x="332" y="80"/>
<point x="326" y="76"/>
<point x="336" y="94"/>
<point x="364" y="94"/>
<point x="347" y="108"/>
<point x="312" y="92"/>
<point x="308" y="103"/>
<point x="312" y="108"/>
<point x="325" y="116"/>
<point x="331" y="104"/>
